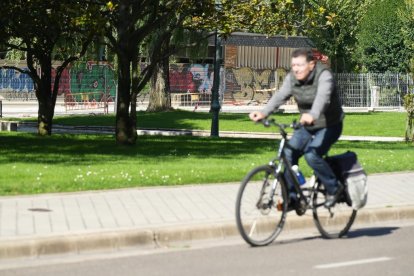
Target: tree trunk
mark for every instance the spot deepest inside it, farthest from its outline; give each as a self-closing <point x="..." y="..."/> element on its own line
<point x="45" y="117"/>
<point x="160" y="97"/>
<point x="45" y="98"/>
<point x="134" y="93"/>
<point x="409" y="106"/>
<point x="409" y="129"/>
<point x="125" y="131"/>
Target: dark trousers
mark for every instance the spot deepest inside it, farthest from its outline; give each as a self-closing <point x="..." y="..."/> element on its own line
<point x="313" y="145"/>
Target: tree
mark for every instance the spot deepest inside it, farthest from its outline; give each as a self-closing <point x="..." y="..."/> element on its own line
<point x="380" y="46"/>
<point x="130" y="25"/>
<point x="176" y="38"/>
<point x="40" y="29"/>
<point x="406" y="16"/>
<point x="190" y="41"/>
<point x="160" y="99"/>
<point x="332" y="25"/>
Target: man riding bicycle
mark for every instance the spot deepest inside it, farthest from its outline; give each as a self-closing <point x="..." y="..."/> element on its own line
<point x="313" y="87"/>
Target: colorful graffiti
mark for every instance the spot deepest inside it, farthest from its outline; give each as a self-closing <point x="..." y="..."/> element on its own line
<point x="12" y="80"/>
<point x="64" y="82"/>
<point x="237" y="84"/>
<point x="92" y="77"/>
<point x="191" y="77"/>
<point x="253" y="86"/>
<point x="81" y="78"/>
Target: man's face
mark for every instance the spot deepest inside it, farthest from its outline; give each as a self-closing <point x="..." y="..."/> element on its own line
<point x="302" y="68"/>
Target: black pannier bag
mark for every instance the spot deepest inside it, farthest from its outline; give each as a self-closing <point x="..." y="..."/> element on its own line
<point x="350" y="172"/>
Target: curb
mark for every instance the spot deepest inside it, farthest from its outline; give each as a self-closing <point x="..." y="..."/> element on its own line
<point x="166" y="236"/>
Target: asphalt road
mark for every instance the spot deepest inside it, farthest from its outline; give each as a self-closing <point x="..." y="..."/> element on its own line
<point x="374" y="250"/>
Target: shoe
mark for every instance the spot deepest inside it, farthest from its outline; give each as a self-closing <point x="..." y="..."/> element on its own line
<point x="292" y="201"/>
<point x="331" y="199"/>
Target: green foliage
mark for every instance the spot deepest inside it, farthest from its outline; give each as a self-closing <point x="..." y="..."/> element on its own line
<point x="409" y="103"/>
<point x="406" y="15"/>
<point x="42" y="27"/>
<point x="15" y="54"/>
<point x="381" y="45"/>
<point x="331" y="24"/>
<point x="333" y="28"/>
<point x="272" y="17"/>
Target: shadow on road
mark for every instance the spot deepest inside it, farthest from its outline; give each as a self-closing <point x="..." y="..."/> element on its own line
<point x="371" y="232"/>
<point x="357" y="233"/>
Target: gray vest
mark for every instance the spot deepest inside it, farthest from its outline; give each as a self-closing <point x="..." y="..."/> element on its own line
<point x="305" y="93"/>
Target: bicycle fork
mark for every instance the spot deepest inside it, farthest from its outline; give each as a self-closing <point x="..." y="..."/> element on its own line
<point x="274" y="185"/>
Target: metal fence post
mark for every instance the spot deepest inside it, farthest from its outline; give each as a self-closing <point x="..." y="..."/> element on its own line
<point x="374" y="96"/>
<point x="1" y="106"/>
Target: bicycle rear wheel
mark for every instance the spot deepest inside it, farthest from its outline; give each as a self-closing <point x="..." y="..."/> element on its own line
<point x="260" y="216"/>
<point x="333" y="222"/>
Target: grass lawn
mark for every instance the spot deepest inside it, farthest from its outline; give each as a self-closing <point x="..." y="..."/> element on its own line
<point x="61" y="163"/>
<point x="359" y="124"/>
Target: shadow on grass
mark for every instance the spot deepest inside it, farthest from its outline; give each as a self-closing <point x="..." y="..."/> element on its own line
<point x="58" y="148"/>
<point x="169" y="119"/>
<point x="176" y="119"/>
<point x="24" y="147"/>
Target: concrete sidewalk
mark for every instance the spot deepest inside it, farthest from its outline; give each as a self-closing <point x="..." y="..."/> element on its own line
<point x="97" y="220"/>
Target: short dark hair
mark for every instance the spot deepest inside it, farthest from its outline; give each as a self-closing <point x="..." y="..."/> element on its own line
<point x="305" y="52"/>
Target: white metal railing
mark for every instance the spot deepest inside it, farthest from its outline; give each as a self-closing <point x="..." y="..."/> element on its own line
<point x="373" y="90"/>
<point x="369" y="91"/>
<point x="190" y="99"/>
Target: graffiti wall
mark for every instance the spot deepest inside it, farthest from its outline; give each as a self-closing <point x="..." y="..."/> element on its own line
<point x="252" y="85"/>
<point x="92" y="77"/>
<point x="15" y="81"/>
<point x="81" y="78"/>
<point x="64" y="82"/>
<point x="191" y="77"/>
<point x="236" y="84"/>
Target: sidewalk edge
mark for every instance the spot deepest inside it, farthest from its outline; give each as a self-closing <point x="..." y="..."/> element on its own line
<point x="165" y="236"/>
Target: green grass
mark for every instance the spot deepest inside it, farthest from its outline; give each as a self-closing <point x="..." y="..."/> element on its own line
<point x="359" y="124"/>
<point x="62" y="163"/>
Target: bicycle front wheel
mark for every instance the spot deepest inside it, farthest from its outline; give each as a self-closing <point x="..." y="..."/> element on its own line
<point x="261" y="213"/>
<point x="333" y="222"/>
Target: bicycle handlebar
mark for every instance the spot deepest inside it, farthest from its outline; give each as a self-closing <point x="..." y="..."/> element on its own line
<point x="271" y="122"/>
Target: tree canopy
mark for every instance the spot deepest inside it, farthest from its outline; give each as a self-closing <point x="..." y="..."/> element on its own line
<point x="41" y="29"/>
<point x="380" y="46"/>
<point x="406" y="15"/>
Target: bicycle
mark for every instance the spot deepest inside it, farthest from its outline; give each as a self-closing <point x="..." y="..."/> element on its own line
<point x="262" y="200"/>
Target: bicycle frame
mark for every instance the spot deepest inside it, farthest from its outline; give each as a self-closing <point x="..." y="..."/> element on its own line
<point x="280" y="162"/>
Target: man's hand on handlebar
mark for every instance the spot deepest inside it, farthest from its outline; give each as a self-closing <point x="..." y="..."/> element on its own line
<point x="306" y="119"/>
<point x="256" y="116"/>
